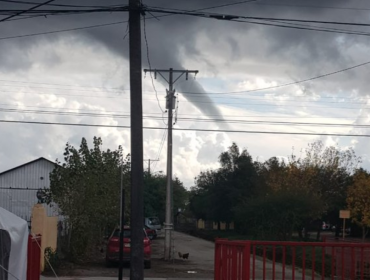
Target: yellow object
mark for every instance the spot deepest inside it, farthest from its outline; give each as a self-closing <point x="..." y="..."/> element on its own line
<point x="47" y="227"/>
<point x="201" y="224"/>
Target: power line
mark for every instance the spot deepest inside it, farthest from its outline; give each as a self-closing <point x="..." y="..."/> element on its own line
<point x="190" y="129"/>
<point x="303" y="27"/>
<point x="214" y="120"/>
<point x="288" y="84"/>
<point x="156" y="113"/>
<point x="243" y="104"/>
<point x="164" y="137"/>
<point x="105" y="24"/>
<point x="63" y="30"/>
<point x="113" y="90"/>
<point x="169" y="13"/>
<point x="25" y="11"/>
<point x="150" y="66"/>
<point x="241" y="19"/>
<point x="57" y="5"/>
<point x="52" y="84"/>
<point x="230" y="17"/>
<point x="120" y="90"/>
<point x="312" y="7"/>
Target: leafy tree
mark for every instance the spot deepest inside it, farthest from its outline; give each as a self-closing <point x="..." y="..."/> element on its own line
<point x="358" y="200"/>
<point x="331" y="169"/>
<point x="155" y="195"/>
<point x="86" y="188"/>
<point x="277" y="215"/>
<point x="216" y="192"/>
<point x="321" y="176"/>
<point x="287" y="182"/>
<point x="198" y="203"/>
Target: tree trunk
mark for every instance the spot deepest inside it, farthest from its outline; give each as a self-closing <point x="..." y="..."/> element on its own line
<point x="218" y="225"/>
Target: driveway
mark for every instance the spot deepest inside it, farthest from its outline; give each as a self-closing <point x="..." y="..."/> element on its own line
<point x="198" y="266"/>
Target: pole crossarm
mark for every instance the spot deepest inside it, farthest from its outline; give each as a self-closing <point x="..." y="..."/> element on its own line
<point x="162" y="71"/>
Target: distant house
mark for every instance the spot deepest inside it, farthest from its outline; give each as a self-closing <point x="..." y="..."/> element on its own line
<point x="18" y="186"/>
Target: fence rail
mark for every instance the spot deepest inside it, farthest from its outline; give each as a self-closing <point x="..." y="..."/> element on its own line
<point x="237" y="260"/>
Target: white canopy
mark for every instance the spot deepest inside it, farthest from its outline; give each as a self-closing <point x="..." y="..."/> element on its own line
<point x="13" y="246"/>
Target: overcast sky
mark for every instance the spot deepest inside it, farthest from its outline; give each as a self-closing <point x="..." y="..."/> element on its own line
<point x="87" y="71"/>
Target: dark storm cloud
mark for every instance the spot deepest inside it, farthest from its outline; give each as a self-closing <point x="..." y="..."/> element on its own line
<point x="172" y="39"/>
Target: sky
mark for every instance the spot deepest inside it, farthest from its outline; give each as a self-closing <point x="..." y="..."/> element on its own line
<point x="81" y="76"/>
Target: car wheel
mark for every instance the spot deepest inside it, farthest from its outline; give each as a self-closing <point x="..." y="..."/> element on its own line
<point x="147" y="264"/>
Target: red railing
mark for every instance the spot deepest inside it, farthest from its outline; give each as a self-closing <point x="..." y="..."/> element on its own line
<point x="34" y="258"/>
<point x="250" y="260"/>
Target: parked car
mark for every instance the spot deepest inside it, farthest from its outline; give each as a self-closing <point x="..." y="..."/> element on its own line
<point x="325" y="226"/>
<point x="153" y="223"/>
<point x="152" y="233"/>
<point x="112" y="254"/>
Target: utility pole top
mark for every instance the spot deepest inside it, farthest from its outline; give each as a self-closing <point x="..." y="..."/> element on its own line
<point x="171" y="71"/>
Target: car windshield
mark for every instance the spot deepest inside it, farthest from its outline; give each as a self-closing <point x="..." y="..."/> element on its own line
<point x="126" y="233"/>
<point x="154" y="221"/>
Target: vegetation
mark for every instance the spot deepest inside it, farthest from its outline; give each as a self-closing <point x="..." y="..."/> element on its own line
<point x="87" y="189"/>
<point x="155" y="195"/>
<point x="275" y="198"/>
<point x="52" y="260"/>
<point x="359" y="200"/>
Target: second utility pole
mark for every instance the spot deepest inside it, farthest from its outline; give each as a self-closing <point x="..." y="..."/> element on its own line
<point x="168" y="225"/>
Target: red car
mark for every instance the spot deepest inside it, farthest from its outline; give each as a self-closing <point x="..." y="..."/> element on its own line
<point x="151" y="233"/>
<point x="112" y="255"/>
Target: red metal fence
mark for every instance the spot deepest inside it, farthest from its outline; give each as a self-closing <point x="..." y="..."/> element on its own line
<point x="33" y="258"/>
<point x="246" y="260"/>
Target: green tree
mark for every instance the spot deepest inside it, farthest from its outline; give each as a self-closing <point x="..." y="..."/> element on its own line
<point x="155" y="195"/>
<point x="217" y="192"/>
<point x="86" y="188"/>
<point x="358" y="200"/>
<point x="287" y="202"/>
<point x="331" y="169"/>
<point x="278" y="215"/>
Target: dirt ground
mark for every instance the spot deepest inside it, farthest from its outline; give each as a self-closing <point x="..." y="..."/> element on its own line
<point x="199" y="265"/>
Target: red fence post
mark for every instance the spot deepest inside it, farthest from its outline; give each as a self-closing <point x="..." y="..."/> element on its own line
<point x="217" y="260"/>
<point x="339" y="260"/>
<point x="247" y="261"/>
<point x="33" y="258"/>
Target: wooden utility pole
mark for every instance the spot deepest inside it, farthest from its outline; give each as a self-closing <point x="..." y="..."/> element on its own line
<point x="149" y="163"/>
<point x="136" y="105"/>
<point x="168" y="226"/>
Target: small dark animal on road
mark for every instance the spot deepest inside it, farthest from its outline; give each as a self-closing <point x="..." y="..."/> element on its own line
<point x="184" y="256"/>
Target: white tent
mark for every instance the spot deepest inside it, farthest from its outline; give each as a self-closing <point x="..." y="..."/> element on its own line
<point x="13" y="246"/>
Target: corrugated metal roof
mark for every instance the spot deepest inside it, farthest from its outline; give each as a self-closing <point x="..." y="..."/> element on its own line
<point x="22" y="165"/>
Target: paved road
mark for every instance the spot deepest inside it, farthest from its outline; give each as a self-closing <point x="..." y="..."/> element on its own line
<point x="201" y="252"/>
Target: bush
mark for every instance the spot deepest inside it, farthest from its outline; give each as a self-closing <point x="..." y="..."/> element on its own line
<point x="52" y="260"/>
